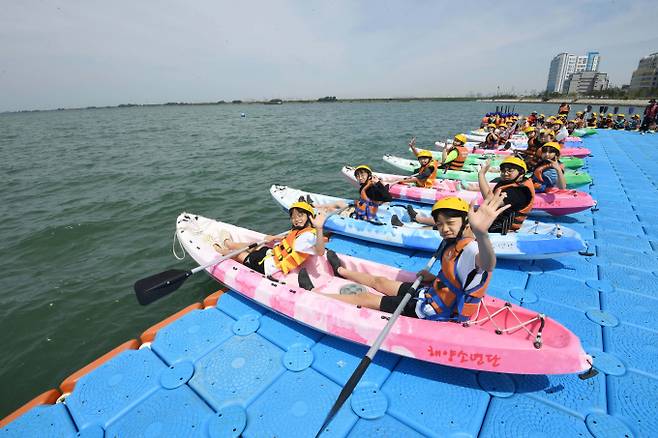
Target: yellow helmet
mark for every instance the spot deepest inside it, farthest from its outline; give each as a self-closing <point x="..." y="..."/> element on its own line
<point x="529" y="129"/>
<point x="503" y="124"/>
<point x="491" y="125"/>
<point x="553" y="144"/>
<point x="461" y="138"/>
<point x="362" y="167"/>
<point x="549" y="132"/>
<point x="561" y="116"/>
<point x="609" y="114"/>
<point x="541" y="116"/>
<point x="558" y="122"/>
<point x="516" y="161"/>
<point x="636" y="116"/>
<point x="450" y="203"/>
<point x="621" y="115"/>
<point x="579" y="113"/>
<point x="595" y="114"/>
<point x="425" y="154"/>
<point x="304" y="206"/>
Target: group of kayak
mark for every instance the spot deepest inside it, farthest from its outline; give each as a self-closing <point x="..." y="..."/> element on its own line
<point x="466" y="221"/>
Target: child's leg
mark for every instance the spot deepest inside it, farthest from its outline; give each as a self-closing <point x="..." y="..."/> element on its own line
<point x="380" y="284"/>
<point x="371" y="301"/>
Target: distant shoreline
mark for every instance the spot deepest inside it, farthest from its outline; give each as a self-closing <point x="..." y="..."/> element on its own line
<point x="593" y="102"/>
<point x="257" y="102"/>
<point x="617" y="102"/>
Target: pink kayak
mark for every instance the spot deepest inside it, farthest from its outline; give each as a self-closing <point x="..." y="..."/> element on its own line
<point x="565" y="152"/>
<point x="528" y="343"/>
<point x="555" y="202"/>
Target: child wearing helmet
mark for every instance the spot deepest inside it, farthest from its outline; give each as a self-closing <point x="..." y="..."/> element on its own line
<point x="560" y="130"/>
<point x="549" y="172"/>
<point x="491" y="141"/>
<point x="454" y="157"/>
<point x="304" y="239"/>
<point x="372" y="194"/>
<point x="620" y="122"/>
<point x="531" y="153"/>
<point x="633" y="124"/>
<point x="425" y="175"/>
<point x="592" y="122"/>
<point x="467" y="262"/>
<point x="519" y="193"/>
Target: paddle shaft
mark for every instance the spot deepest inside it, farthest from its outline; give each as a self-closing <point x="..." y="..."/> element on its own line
<point x="367" y="359"/>
<point x="235" y="252"/>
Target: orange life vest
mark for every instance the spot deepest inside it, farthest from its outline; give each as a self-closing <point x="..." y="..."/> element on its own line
<point x="429" y="182"/>
<point x="285" y="256"/>
<point x="447" y="296"/>
<point x="538" y="175"/>
<point x="462" y="155"/>
<point x="532" y="153"/>
<point x="522" y="214"/>
<point x="490" y="141"/>
<point x="364" y="207"/>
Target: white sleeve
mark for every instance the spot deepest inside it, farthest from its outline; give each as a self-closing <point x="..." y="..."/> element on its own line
<point x="305" y="243"/>
<point x="466" y="264"/>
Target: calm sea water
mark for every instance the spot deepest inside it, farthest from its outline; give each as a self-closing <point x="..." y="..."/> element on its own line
<point x="89" y="200"/>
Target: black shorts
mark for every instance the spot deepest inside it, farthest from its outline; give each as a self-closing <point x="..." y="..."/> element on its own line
<point x="389" y="304"/>
<point x="255" y="260"/>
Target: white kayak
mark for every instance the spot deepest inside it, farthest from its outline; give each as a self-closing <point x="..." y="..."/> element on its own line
<point x="535" y="240"/>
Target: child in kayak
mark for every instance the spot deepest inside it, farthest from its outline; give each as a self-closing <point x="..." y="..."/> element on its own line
<point x="491" y="141"/>
<point x="467" y="262"/>
<point x="454" y="157"/>
<point x="531" y="154"/>
<point x="634" y="123"/>
<point x="549" y="172"/>
<point x="306" y="238"/>
<point x="519" y="193"/>
<point x="425" y="175"/>
<point x="372" y="194"/>
<point x="620" y="123"/>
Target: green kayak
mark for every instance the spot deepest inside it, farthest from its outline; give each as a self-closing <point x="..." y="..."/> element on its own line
<point x="583" y="132"/>
<point x="475" y="160"/>
<point x="573" y="178"/>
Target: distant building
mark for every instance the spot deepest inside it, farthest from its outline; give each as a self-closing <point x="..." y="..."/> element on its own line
<point x="565" y="64"/>
<point x="592" y="61"/>
<point x="585" y="82"/>
<point x="646" y="75"/>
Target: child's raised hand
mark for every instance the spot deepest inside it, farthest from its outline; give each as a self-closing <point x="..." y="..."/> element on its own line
<point x="481" y="219"/>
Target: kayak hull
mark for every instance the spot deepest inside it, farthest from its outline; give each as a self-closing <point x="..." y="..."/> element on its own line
<point x="534" y="241"/>
<point x="474" y="346"/>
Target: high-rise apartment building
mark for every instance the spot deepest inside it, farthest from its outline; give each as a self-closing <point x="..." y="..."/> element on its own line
<point x="646" y="75"/>
<point x="565" y="64"/>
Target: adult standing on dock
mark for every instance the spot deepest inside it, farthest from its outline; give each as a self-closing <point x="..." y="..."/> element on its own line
<point x="650" y="113"/>
<point x="564" y="108"/>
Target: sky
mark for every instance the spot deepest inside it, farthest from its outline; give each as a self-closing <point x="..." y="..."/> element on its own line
<point x="80" y="53"/>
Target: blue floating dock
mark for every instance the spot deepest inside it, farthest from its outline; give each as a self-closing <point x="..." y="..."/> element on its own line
<point x="239" y="370"/>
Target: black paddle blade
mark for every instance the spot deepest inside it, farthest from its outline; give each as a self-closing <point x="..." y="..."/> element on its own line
<point x="345" y="393"/>
<point x="156" y="286"/>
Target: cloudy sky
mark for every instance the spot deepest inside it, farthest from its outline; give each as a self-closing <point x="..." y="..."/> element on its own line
<point x="90" y="52"/>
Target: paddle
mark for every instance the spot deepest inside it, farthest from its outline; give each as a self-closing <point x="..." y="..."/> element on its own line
<point x="156" y="286"/>
<point x="367" y="359"/>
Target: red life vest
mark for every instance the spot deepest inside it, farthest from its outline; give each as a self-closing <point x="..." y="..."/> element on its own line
<point x="285" y="257"/>
<point x="462" y="155"/>
<point x="522" y="214"/>
<point x="447" y="296"/>
<point x="364" y="207"/>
